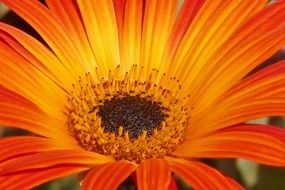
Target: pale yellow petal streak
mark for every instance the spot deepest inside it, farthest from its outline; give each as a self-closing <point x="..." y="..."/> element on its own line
<point x="100" y="23"/>
<point x="132" y="29"/>
<point x="66" y="12"/>
<point x="158" y="20"/>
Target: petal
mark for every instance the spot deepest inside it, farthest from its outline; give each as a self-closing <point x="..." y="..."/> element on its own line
<point x="119" y="7"/>
<point x="264" y="83"/>
<point x="262" y="107"/>
<point x="51" y="30"/>
<point x="172" y="184"/>
<point x="272" y="106"/>
<point x="185" y="17"/>
<point x="17" y="111"/>
<point x="234" y="184"/>
<point x="263" y="77"/>
<point x="100" y="23"/>
<point x="33" y="178"/>
<point x="153" y="174"/>
<point x="20" y="76"/>
<point x="201" y="176"/>
<point x="207" y="33"/>
<point x="23" y="145"/>
<point x="158" y="20"/>
<point x="37" y="54"/>
<point x="132" y="32"/>
<point x="68" y="13"/>
<point x="254" y="42"/>
<point x="262" y="146"/>
<point x="108" y="176"/>
<point x="260" y="95"/>
<point x="276" y="132"/>
<point x="52" y="158"/>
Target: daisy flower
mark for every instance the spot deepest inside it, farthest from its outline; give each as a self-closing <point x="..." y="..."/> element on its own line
<point x="139" y="89"/>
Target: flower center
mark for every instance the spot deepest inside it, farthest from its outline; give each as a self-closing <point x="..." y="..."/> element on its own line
<point x="133" y="113"/>
<point x="127" y="117"/>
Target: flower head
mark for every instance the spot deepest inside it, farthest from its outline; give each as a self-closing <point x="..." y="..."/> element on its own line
<point x="139" y="88"/>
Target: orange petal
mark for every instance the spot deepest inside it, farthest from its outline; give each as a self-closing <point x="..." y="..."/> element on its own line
<point x="254" y="42"/>
<point x="19" y="112"/>
<point x="100" y="23"/>
<point x="67" y="12"/>
<point x="184" y="19"/>
<point x="131" y="34"/>
<point x="172" y="184"/>
<point x="52" y="158"/>
<point x="200" y="176"/>
<point x="213" y="25"/>
<point x="51" y="30"/>
<point x="23" y="145"/>
<point x="158" y="19"/>
<point x="267" y="82"/>
<point x="249" y="110"/>
<point x="260" y="95"/>
<point x="262" y="107"/>
<point x="119" y="7"/>
<point x="263" y="146"/>
<point x="32" y="178"/>
<point x="108" y="176"/>
<point x="234" y="184"/>
<point x="37" y="54"/>
<point x="264" y="77"/>
<point x="153" y="174"/>
<point x="276" y="132"/>
<point x="20" y="76"/>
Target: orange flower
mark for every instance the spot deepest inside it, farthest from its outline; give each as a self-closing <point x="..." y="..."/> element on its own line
<point x="137" y="88"/>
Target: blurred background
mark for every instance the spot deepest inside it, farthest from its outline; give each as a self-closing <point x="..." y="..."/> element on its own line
<point x="249" y="174"/>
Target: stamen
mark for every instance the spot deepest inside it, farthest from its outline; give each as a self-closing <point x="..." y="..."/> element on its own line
<point x="129" y="118"/>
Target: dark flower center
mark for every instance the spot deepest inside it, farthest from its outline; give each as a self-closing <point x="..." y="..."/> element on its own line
<point x="134" y="114"/>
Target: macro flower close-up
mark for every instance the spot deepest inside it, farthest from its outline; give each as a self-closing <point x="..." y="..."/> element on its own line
<point x="143" y="91"/>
